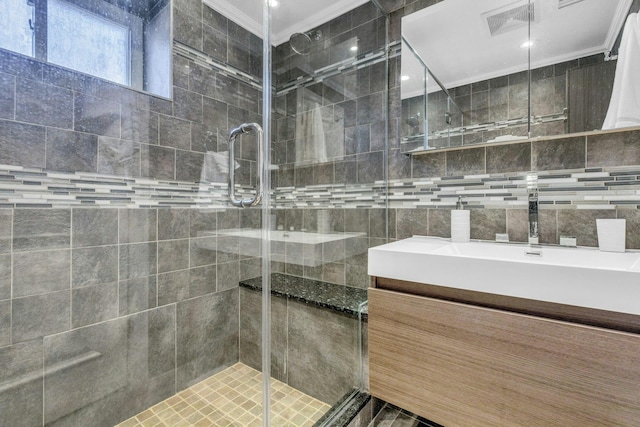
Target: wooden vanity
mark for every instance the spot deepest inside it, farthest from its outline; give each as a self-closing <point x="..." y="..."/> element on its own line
<point x="468" y="359"/>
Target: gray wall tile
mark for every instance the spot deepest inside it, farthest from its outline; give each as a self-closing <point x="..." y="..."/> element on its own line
<point x="22" y="144"/>
<point x="5" y="324"/>
<point x="426" y="165"/>
<point x="118" y="157"/>
<point x="518" y="225"/>
<point x="632" y="216"/>
<point x="202" y="251"/>
<point x="202" y="281"/>
<point x="187" y="105"/>
<point x="613" y="149"/>
<point x="137" y="260"/>
<point x="227" y="275"/>
<point x="203" y="222"/>
<point x="41" y="272"/>
<point x="158" y="162"/>
<point x="311" y="331"/>
<point x="6" y="223"/>
<point x="548" y="224"/>
<point x="96" y="115"/>
<point x="582" y="224"/>
<point x="412" y="222"/>
<point x="485" y="223"/>
<point x="564" y="153"/>
<point x="7" y="96"/>
<point x="71" y="151"/>
<point x="189" y="166"/>
<point x="21" y="403"/>
<point x="40" y="315"/>
<point x="43" y="104"/>
<point x="173" y="223"/>
<point x="137" y="294"/>
<point x="251" y="332"/>
<point x="5" y="277"/>
<point x="137" y="225"/>
<point x="128" y="369"/>
<point x="509" y="158"/>
<point x="173" y="255"/>
<point x="173" y="287"/>
<point x="139" y="125"/>
<point x="175" y="132"/>
<point x="94" y="304"/>
<point x="207" y="336"/>
<point x="439" y="222"/>
<point x="37" y="229"/>
<point x="186" y="30"/>
<point x="93" y="266"/>
<point x="370" y="167"/>
<point x="95" y="227"/>
<point x="466" y="162"/>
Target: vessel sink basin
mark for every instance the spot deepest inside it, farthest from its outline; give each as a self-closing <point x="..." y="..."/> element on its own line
<point x="583" y="277"/>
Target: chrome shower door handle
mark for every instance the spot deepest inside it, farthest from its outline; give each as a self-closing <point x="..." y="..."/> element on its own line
<point x="242" y="129"/>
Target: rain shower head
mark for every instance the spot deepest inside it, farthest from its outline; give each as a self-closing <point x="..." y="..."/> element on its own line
<point x="301" y="42"/>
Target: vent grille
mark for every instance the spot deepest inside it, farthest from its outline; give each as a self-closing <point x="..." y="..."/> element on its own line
<point x="503" y="20"/>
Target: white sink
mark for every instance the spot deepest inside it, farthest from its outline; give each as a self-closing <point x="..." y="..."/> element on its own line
<point x="583" y="277"/>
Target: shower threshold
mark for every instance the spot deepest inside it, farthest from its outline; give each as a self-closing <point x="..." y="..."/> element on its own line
<point x="232" y="397"/>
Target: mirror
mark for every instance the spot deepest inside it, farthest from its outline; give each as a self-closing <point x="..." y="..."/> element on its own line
<point x="128" y="43"/>
<point x="514" y="69"/>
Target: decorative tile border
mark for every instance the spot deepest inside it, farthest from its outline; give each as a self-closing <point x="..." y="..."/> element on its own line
<point x="595" y="188"/>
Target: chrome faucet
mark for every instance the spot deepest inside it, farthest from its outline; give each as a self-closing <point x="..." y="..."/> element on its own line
<point x="532" y="191"/>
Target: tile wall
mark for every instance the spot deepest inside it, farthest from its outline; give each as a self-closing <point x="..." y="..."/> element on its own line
<point x="313" y="349"/>
<point x="108" y="302"/>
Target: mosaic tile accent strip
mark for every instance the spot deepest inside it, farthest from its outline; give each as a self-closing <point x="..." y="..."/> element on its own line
<point x="593" y="188"/>
<point x="232" y="397"/>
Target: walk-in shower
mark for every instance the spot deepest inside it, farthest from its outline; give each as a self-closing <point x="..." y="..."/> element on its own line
<point x="133" y="291"/>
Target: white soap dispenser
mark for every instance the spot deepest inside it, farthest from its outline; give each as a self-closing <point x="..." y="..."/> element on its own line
<point x="460" y="223"/>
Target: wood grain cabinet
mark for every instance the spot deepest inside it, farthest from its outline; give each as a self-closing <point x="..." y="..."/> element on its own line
<point x="463" y="365"/>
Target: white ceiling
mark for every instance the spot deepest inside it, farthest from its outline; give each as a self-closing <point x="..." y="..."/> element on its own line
<point x="454" y="40"/>
<point x="290" y="16"/>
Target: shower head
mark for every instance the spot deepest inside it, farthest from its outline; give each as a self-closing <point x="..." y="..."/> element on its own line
<point x="301" y="42"/>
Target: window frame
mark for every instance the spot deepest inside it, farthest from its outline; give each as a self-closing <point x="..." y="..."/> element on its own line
<point x="104" y="10"/>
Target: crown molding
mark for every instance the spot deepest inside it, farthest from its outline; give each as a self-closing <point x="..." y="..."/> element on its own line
<point x="236" y="15"/>
<point x="326" y="13"/>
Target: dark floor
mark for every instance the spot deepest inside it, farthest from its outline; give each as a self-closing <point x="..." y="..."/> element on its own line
<point x="392" y="416"/>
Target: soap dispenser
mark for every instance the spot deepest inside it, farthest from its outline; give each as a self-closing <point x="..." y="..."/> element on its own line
<point x="460" y="223"/>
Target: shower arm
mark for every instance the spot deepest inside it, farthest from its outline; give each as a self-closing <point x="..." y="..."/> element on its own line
<point x="242" y="129"/>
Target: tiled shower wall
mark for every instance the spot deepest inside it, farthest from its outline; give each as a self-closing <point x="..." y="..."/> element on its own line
<point x="106" y="306"/>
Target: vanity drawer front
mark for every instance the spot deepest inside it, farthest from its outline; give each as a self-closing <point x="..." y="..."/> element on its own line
<point x="462" y="365"/>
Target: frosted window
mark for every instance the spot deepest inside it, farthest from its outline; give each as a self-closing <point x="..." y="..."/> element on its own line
<point x="15" y="31"/>
<point x="158" y="54"/>
<point x="86" y="42"/>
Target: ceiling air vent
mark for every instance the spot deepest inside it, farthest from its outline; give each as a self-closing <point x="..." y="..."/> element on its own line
<point x="565" y="3"/>
<point x="508" y="18"/>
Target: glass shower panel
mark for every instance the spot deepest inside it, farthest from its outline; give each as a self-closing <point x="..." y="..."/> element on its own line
<point x="131" y="290"/>
<point x="328" y="179"/>
<point x="120" y="255"/>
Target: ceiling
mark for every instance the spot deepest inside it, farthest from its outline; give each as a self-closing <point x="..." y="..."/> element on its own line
<point x="455" y="40"/>
<point x="290" y="16"/>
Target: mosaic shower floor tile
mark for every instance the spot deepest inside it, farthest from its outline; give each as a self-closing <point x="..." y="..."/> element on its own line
<point x="231" y="398"/>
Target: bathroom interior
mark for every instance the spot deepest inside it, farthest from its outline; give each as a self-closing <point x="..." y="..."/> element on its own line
<point x="226" y="196"/>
